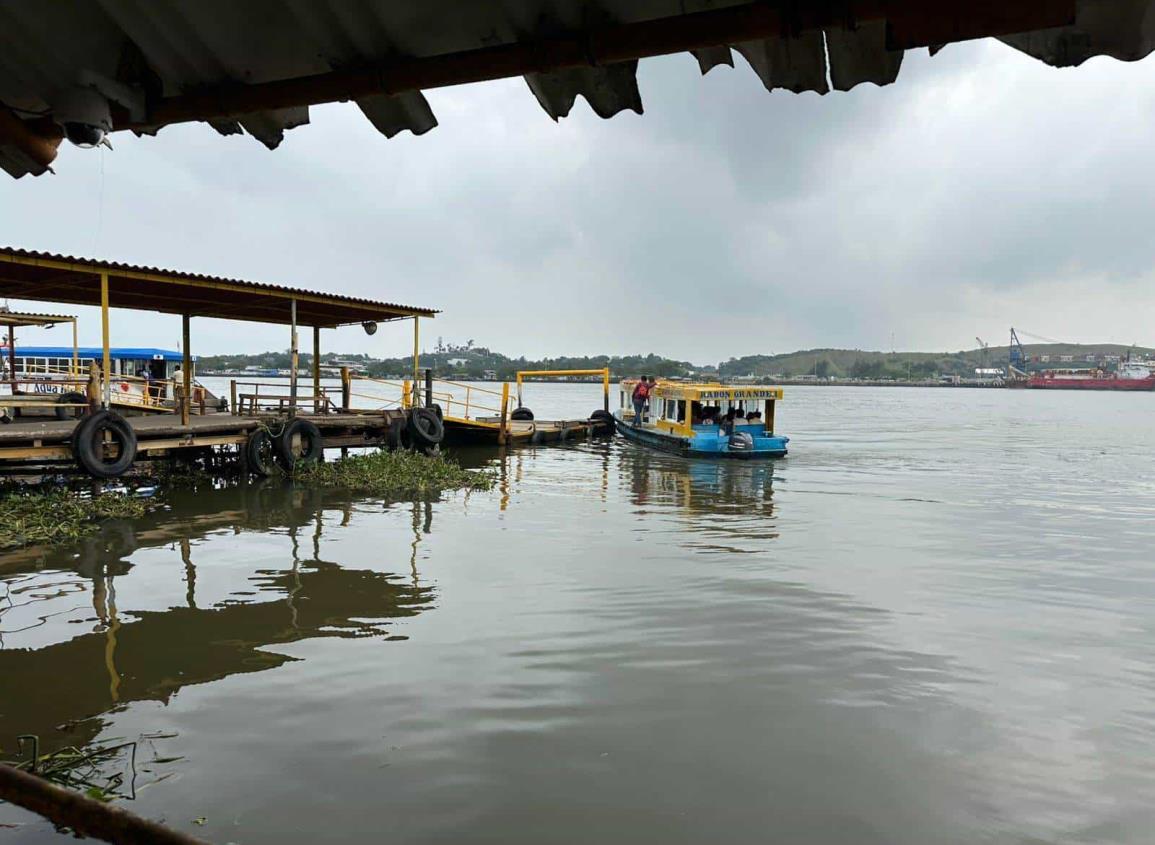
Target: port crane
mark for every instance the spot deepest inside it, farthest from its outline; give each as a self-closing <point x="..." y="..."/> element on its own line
<point x="984" y="346"/>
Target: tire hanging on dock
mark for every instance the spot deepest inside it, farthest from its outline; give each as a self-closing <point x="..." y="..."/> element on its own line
<point x="88" y="444"/>
<point x="425" y="429"/>
<point x="64" y="412"/>
<point x="521" y="413"/>
<point x="260" y="453"/>
<point x="300" y="442"/>
<point x="603" y="421"/>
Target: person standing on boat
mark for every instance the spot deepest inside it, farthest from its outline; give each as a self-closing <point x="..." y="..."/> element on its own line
<point x="641" y="396"/>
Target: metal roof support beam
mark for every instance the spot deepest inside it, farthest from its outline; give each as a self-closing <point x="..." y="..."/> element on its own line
<point x="910" y="23"/>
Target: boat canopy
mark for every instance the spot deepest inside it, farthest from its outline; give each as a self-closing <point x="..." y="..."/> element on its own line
<point x="711" y="391"/>
<point x="128" y="353"/>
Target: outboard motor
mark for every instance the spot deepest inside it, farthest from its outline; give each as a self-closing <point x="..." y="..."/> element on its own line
<point x="741" y="441"/>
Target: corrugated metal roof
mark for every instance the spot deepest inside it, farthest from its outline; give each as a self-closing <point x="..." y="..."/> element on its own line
<point x="49" y="277"/>
<point x="167" y="48"/>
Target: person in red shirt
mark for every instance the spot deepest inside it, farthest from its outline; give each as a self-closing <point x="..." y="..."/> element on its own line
<point x="641" y="396"/>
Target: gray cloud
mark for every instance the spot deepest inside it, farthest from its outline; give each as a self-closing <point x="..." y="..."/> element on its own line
<point x="982" y="190"/>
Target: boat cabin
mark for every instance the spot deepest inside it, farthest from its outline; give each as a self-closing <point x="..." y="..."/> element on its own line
<point x="715" y="420"/>
<point x="48" y="363"/>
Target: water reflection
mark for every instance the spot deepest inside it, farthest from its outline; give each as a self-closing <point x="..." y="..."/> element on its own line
<point x="150" y="654"/>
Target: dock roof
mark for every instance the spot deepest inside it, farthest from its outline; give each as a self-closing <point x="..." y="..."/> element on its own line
<point x="24" y="318"/>
<point x="256" y="67"/>
<point x="47" y="277"/>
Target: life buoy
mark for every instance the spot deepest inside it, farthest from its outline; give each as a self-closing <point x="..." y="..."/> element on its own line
<point x="124" y="387"/>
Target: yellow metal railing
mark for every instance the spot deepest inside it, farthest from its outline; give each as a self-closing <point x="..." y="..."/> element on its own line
<point x="604" y="372"/>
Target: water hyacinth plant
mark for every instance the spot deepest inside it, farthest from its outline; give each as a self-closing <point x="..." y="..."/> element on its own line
<point x="399" y="473"/>
<point x="59" y="515"/>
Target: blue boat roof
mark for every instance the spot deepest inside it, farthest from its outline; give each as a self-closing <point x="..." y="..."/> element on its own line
<point x="131" y="353"/>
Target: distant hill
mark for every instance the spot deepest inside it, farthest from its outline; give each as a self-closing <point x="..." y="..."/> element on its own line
<point x="477" y="362"/>
<point x="859" y="363"/>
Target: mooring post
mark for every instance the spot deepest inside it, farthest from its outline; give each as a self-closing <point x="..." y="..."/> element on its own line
<point x="93" y="389"/>
<point x="502" y="429"/>
<point x="346" y="389"/>
<point x="233" y="396"/>
<point x="428" y="387"/>
<point x="606" y="389"/>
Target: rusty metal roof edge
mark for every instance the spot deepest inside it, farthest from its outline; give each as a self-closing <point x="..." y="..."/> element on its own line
<point x="97" y="265"/>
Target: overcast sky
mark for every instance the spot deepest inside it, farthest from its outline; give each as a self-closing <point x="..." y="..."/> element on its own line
<point x="982" y="190"/>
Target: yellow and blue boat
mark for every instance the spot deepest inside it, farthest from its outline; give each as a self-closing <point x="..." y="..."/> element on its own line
<point x="704" y="420"/>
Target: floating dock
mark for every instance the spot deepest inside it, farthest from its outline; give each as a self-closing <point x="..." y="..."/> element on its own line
<point x="259" y="422"/>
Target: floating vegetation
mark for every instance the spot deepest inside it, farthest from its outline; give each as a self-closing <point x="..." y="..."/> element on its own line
<point x="58" y="515"/>
<point x="97" y="771"/>
<point x="398" y="473"/>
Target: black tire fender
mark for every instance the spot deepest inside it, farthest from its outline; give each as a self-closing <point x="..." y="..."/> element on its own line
<point x="88" y="444"/>
<point x="260" y="453"/>
<point x="300" y="442"/>
<point x="603" y="420"/>
<point x="425" y="428"/>
<point x="71" y="398"/>
<point x="521" y="413"/>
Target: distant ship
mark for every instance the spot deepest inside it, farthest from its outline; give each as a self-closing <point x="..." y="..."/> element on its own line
<point x="1131" y="375"/>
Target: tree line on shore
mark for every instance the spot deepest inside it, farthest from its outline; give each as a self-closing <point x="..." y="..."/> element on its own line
<point x="478" y="362"/>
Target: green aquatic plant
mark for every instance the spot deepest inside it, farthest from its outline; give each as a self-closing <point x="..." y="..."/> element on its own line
<point x="58" y="515"/>
<point x="94" y="770"/>
<point x="398" y="473"/>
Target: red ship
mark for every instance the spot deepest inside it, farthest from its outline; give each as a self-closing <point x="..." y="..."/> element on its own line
<point x="1129" y="376"/>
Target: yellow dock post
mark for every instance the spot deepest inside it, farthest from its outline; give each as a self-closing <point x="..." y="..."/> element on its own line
<point x="606" y="390"/>
<point x="233" y="396"/>
<point x="316" y="369"/>
<point x="416" y="348"/>
<point x="186" y="374"/>
<point x="106" y="360"/>
<point x="346" y="389"/>
<point x="294" y="358"/>
<point x="503" y="434"/>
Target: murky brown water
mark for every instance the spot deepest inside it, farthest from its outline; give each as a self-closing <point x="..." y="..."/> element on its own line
<point x="931" y="623"/>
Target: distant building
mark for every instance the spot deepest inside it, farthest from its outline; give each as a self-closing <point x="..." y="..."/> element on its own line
<point x="1066" y="359"/>
<point x="458" y="362"/>
<point x="988" y="372"/>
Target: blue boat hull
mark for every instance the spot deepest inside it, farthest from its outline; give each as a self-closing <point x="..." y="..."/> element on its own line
<point x="706" y="444"/>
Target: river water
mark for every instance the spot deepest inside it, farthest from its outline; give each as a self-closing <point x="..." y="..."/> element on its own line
<point x="932" y="622"/>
